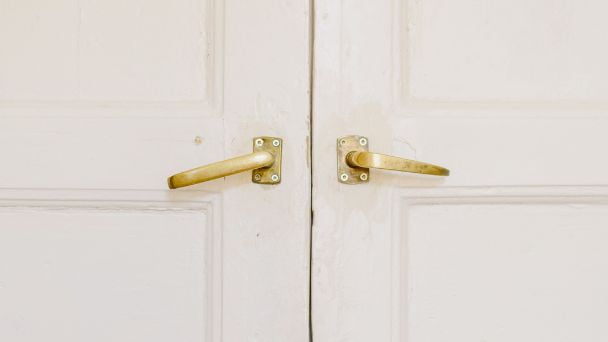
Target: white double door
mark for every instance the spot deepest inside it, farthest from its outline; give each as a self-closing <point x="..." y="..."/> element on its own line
<point x="101" y="101"/>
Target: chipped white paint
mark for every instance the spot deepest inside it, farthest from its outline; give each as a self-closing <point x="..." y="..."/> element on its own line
<point x="511" y="97"/>
<point x="116" y="96"/>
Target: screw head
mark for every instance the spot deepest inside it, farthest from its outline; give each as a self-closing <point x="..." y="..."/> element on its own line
<point x="344" y="177"/>
<point x="363" y="141"/>
<point x="257" y="177"/>
<point x="343" y="142"/>
<point x="259" y="142"/>
<point x="276" y="143"/>
<point x="275" y="178"/>
<point x="363" y="176"/>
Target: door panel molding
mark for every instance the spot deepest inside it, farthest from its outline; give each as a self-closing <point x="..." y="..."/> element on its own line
<point x="522" y="199"/>
<point x="447" y="36"/>
<point x="57" y="256"/>
<point x="85" y="62"/>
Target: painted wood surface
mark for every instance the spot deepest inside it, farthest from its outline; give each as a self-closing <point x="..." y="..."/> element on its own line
<point x="511" y="97"/>
<point x="99" y="103"/>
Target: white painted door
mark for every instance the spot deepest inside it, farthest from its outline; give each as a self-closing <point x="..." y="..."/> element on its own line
<point x="100" y="101"/>
<point x="512" y="97"/>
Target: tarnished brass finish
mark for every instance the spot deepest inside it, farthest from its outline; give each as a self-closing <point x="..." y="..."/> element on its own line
<point x="382" y="161"/>
<point x="354" y="162"/>
<point x="346" y="173"/>
<point x="270" y="174"/>
<point x="265" y="161"/>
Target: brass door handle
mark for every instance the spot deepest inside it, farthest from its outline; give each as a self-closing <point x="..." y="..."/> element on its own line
<point x="354" y="162"/>
<point x="265" y="161"/>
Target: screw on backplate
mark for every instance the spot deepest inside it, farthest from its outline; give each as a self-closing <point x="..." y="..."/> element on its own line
<point x="275" y="178"/>
<point x="276" y="143"/>
<point x="343" y="142"/>
<point x="259" y="142"/>
<point x="344" y="177"/>
<point x="257" y="177"/>
<point x="363" y="141"/>
<point x="363" y="176"/>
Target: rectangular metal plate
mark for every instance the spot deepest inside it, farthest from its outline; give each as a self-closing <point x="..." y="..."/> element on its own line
<point x="347" y="174"/>
<point x="271" y="174"/>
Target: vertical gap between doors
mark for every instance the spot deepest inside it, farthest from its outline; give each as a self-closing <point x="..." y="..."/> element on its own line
<point x="311" y="65"/>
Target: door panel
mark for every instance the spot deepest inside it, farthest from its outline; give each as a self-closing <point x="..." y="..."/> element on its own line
<point x="496" y="52"/>
<point x="116" y="96"/>
<point x="111" y="51"/>
<point x="510" y="97"/>
<point x="93" y="269"/>
<point x="503" y="269"/>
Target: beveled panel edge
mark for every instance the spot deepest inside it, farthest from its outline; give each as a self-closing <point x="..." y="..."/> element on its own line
<point x="130" y="201"/>
<point x="209" y="106"/>
<point x="409" y="106"/>
<point x="404" y="198"/>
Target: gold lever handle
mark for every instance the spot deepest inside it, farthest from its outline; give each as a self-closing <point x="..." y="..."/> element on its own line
<point x="265" y="160"/>
<point x="373" y="160"/>
<point x="354" y="162"/>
